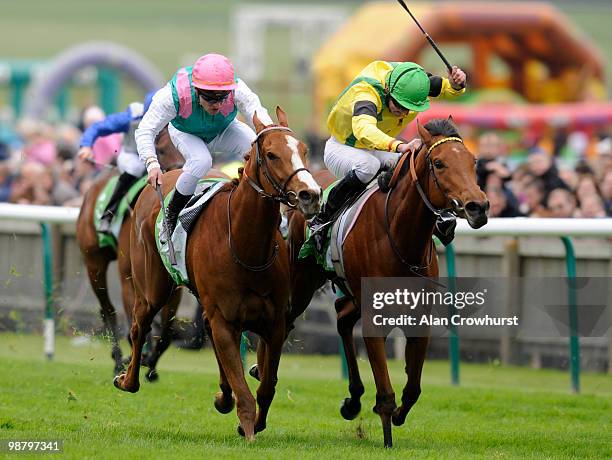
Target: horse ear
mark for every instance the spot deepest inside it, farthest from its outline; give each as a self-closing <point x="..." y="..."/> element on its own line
<point x="425" y="136"/>
<point x="258" y="124"/>
<point x="281" y="116"/>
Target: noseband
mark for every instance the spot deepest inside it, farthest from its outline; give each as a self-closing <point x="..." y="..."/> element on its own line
<point x="282" y="195"/>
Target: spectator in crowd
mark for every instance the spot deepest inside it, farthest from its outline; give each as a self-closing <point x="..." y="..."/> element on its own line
<point x="569" y="177"/>
<point x="6" y="181"/>
<point x="105" y="148"/>
<point x="603" y="150"/>
<point x="592" y="207"/>
<point x="586" y="187"/>
<point x="535" y="194"/>
<point x="39" y="145"/>
<point x="490" y="159"/>
<point x="541" y="165"/>
<point x="561" y="203"/>
<point x="606" y="190"/>
<point x="33" y="185"/>
<point x="500" y="206"/>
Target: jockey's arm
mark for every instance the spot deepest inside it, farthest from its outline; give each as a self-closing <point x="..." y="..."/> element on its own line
<point x="160" y="113"/>
<point x="443" y="88"/>
<point x="248" y="103"/>
<point x="364" y="125"/>
<point x="114" y="123"/>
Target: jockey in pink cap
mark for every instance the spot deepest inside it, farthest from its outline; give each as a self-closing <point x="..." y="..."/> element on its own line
<point x="200" y="105"/>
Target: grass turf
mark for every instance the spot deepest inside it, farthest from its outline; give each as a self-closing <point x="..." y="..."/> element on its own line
<point x="502" y="412"/>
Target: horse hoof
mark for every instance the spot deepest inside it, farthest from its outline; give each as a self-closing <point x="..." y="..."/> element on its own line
<point x="222" y="405"/>
<point x="397" y="418"/>
<point x="152" y="375"/>
<point x="254" y="372"/>
<point x="119" y="383"/>
<point x="349" y="409"/>
<point x="242" y="433"/>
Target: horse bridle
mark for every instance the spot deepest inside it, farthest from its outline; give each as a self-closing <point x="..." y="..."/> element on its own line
<point x="438" y="212"/>
<point x="283" y="196"/>
<point x="455" y="205"/>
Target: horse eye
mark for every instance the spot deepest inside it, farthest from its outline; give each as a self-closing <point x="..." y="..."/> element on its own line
<point x="438" y="164"/>
<point x="271" y="156"/>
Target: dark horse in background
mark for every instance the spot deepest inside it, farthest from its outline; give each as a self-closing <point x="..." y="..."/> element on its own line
<point x="392" y="237"/>
<point x="237" y="264"/>
<point x="97" y="259"/>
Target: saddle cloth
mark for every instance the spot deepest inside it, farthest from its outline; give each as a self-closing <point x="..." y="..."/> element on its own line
<point x="331" y="257"/>
<point x="125" y="205"/>
<point x="206" y="189"/>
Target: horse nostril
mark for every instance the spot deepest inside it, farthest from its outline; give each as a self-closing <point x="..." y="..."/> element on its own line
<point x="474" y="207"/>
<point x="305" y="196"/>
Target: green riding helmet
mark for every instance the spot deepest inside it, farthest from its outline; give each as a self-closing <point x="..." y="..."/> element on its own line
<point x="408" y="84"/>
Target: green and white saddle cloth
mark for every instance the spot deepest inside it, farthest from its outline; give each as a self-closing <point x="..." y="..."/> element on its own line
<point x="105" y="240"/>
<point x="205" y="190"/>
<point x="330" y="258"/>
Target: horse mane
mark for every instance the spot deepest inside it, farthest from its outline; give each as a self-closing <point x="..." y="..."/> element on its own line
<point x="436" y="127"/>
<point x="442" y="127"/>
<point x="246" y="158"/>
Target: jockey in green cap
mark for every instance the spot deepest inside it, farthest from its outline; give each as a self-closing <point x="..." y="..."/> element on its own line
<point x="364" y="124"/>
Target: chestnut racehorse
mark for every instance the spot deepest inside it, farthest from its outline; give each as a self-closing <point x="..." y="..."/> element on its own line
<point x="392" y="237"/>
<point x="97" y="259"/>
<point x="236" y="263"/>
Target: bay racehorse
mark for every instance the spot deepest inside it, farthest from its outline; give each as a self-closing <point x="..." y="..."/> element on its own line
<point x="392" y="237"/>
<point x="97" y="259"/>
<point x="237" y="265"/>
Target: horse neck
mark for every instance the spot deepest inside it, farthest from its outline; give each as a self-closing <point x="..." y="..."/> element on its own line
<point x="411" y="221"/>
<point x="254" y="217"/>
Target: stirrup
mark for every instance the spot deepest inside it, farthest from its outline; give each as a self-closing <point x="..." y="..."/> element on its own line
<point x="319" y="239"/>
<point x="105" y="224"/>
<point x="163" y="235"/>
<point x="316" y="228"/>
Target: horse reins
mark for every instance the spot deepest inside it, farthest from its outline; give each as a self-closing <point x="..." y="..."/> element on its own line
<point x="252" y="268"/>
<point x="415" y="269"/>
<point x="283" y="197"/>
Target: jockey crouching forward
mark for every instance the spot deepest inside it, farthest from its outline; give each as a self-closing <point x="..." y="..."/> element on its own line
<point x="130" y="166"/>
<point x="364" y="123"/>
<point x="200" y="103"/>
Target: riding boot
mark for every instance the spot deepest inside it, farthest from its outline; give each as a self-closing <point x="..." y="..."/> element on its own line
<point x="124" y="182"/>
<point x="176" y="205"/>
<point x="384" y="180"/>
<point x="349" y="187"/>
<point x="444" y="229"/>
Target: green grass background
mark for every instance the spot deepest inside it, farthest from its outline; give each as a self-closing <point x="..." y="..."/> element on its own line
<point x="498" y="412"/>
<point x="170" y="34"/>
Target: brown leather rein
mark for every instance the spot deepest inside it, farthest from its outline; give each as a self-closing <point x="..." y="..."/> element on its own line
<point x="415" y="269"/>
<point x="283" y="196"/>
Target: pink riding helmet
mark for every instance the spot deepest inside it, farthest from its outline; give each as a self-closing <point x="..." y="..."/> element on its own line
<point x="213" y="72"/>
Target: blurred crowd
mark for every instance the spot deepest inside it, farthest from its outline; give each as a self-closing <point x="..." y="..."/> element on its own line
<point x="545" y="183"/>
<point x="38" y="165"/>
